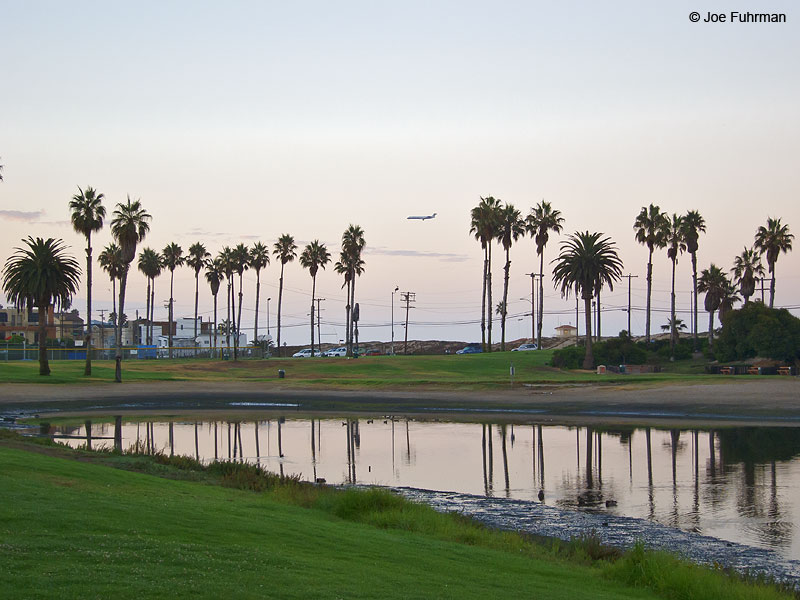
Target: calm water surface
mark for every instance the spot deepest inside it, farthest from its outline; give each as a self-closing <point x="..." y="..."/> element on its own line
<point x="738" y="484"/>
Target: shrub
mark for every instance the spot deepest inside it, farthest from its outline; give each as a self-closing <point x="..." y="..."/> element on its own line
<point x="757" y="330"/>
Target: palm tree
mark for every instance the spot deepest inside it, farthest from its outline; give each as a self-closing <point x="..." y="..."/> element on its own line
<point x="198" y="256"/>
<point x="314" y="257"/>
<point x="693" y="226"/>
<point x="651" y="228"/>
<point x="353" y="244"/>
<point x="772" y="240"/>
<point x="241" y="261"/>
<point x="728" y="298"/>
<point x="129" y="226"/>
<point x="150" y="265"/>
<point x="484" y="222"/>
<point x="41" y="275"/>
<point x="172" y="258"/>
<point x="259" y="258"/>
<point x="677" y="324"/>
<point x="1" y="172"/>
<point x="745" y="268"/>
<point x="511" y="228"/>
<point x="284" y="250"/>
<point x="224" y="261"/>
<point x="712" y="282"/>
<point x="540" y="222"/>
<point x="87" y="214"/>
<point x="587" y="261"/>
<point x="110" y="260"/>
<point x="214" y="275"/>
<point x="675" y="246"/>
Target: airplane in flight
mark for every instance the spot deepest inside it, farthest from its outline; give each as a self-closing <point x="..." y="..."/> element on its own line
<point x="423" y="217"/>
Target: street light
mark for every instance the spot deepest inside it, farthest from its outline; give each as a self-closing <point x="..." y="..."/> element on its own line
<point x="396" y="288"/>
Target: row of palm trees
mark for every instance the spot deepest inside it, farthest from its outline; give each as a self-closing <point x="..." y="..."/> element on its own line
<point x="588" y="261"/>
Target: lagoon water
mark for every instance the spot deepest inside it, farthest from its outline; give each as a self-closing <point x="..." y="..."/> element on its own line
<point x="738" y="484"/>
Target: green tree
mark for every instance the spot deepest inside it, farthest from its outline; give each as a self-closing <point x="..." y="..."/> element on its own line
<point x="651" y="230"/>
<point x="587" y="262"/>
<point x="150" y="266"/>
<point x="540" y="222"/>
<point x="693" y="226"/>
<point x="129" y="227"/>
<point x="197" y="259"/>
<point x="746" y="267"/>
<point x="676" y="244"/>
<point x="41" y="275"/>
<point x="285" y="251"/>
<point x="110" y="260"/>
<point x="353" y="244"/>
<point x="314" y="257"/>
<point x="259" y="258"/>
<point x="86" y="214"/>
<point x="511" y="228"/>
<point x="172" y="257"/>
<point x="771" y="241"/>
<point x="757" y="330"/>
<point x="214" y="275"/>
<point x="484" y="223"/>
<point x="713" y="282"/>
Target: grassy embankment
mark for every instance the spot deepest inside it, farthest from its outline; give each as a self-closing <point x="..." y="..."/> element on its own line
<point x="77" y="528"/>
<point x="477" y="371"/>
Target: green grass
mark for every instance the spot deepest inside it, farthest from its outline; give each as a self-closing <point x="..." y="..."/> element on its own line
<point x="76" y="529"/>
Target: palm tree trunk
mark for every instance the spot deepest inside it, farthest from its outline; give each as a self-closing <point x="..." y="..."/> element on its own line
<point x="215" y="325"/>
<point x="233" y="325"/>
<point x="87" y="370"/>
<point x="347" y="317"/>
<point x="505" y="303"/>
<point x="171" y="277"/>
<point x="152" y="308"/>
<point x="489" y="299"/>
<point x="228" y="322"/>
<point x="772" y="286"/>
<point x="597" y="336"/>
<point x="352" y="313"/>
<point x="672" y="329"/>
<point x="258" y="293"/>
<point x="280" y="298"/>
<point x="147" y="311"/>
<point x="483" y="300"/>
<point x="118" y="358"/>
<point x="239" y="322"/>
<point x="694" y="287"/>
<point x="588" y="359"/>
<point x="114" y="299"/>
<point x="710" y="329"/>
<point x="44" y="366"/>
<point x="649" y="290"/>
<point x="313" y="292"/>
<point x="541" y="301"/>
<point x="196" y="298"/>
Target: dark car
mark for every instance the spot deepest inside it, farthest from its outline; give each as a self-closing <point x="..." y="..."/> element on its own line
<point x="471" y="349"/>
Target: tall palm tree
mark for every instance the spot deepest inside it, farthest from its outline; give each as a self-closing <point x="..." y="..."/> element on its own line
<point x="150" y="265"/>
<point x="540" y="222"/>
<point x="746" y="267"/>
<point x="772" y="240"/>
<point x="512" y="227"/>
<point x="172" y="257"/>
<point x="314" y="257"/>
<point x="484" y="222"/>
<point x="353" y="244"/>
<point x="129" y="227"/>
<point x="198" y="256"/>
<point x="41" y="275"/>
<point x="693" y="226"/>
<point x="285" y="251"/>
<point x="676" y="244"/>
<point x="651" y="228"/>
<point x="587" y="262"/>
<point x="225" y="262"/>
<point x="214" y="275"/>
<point x="87" y="214"/>
<point x="713" y="283"/>
<point x="259" y="258"/>
<point x="110" y="260"/>
<point x="241" y="262"/>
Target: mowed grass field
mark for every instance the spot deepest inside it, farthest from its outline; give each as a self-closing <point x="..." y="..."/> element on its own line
<point x="475" y="371"/>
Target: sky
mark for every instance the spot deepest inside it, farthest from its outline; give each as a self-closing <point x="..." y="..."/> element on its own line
<point x="242" y="121"/>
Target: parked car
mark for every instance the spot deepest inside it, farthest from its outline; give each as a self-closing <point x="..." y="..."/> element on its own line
<point x="305" y="353"/>
<point x="471" y="349"/>
<point x="525" y="347"/>
<point x="340" y="351"/>
<point x="372" y="352"/>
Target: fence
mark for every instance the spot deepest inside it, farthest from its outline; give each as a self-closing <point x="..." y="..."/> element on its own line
<point x="17" y="352"/>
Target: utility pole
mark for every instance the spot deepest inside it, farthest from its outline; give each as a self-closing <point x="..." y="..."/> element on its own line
<point x="396" y="288"/>
<point x="533" y="305"/>
<point x="319" y="320"/>
<point x="408" y="298"/>
<point x="102" y="328"/>
<point x="629" y="277"/>
<point x="763" y="279"/>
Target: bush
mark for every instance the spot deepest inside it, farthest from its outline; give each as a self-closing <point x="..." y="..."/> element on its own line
<point x="757" y="330"/>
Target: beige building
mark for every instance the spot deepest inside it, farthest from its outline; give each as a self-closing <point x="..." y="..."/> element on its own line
<point x="565" y="331"/>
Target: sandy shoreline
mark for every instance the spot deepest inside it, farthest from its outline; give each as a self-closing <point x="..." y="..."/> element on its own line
<point x="773" y="401"/>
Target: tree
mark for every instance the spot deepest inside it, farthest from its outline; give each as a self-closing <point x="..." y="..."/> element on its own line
<point x="259" y="258"/>
<point x="713" y="283"/>
<point x="772" y="240"/>
<point x="214" y="275"/>
<point x="540" y="222"/>
<point x="353" y="244"/>
<point x="110" y="260"/>
<point x="198" y="256"/>
<point x="129" y="227"/>
<point x="693" y="226"/>
<point x="285" y="251"/>
<point x="150" y="265"/>
<point x="41" y="275"/>
<point x="587" y="261"/>
<point x="314" y="257"/>
<point x="677" y="325"/>
<point x="756" y="330"/>
<point x="511" y="228"/>
<point x="728" y="298"/>
<point x="484" y="222"/>
<point x="241" y="261"/>
<point x="224" y="261"/>
<point x="87" y="214"/>
<point x="746" y="267"/>
<point x="676" y="244"/>
<point x="651" y="230"/>
<point x="172" y="257"/>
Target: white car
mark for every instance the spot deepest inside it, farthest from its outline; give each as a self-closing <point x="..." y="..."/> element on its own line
<point x="524" y="347"/>
<point x="305" y="353"/>
<point x="340" y="351"/>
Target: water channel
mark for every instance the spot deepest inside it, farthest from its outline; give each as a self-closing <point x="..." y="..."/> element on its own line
<point x="737" y="484"/>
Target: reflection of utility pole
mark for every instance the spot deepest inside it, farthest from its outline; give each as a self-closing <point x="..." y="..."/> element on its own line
<point x="408" y="298"/>
<point x="629" y="277"/>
